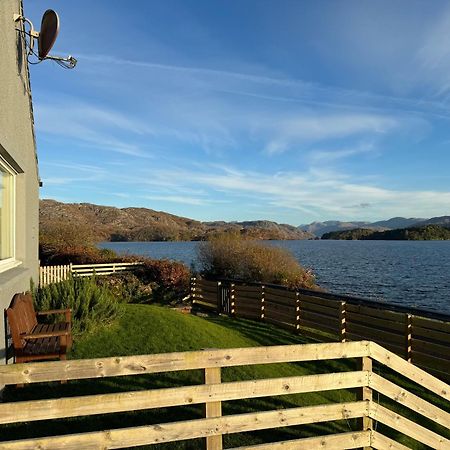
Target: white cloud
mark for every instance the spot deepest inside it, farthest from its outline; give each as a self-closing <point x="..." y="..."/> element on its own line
<point x="88" y="124"/>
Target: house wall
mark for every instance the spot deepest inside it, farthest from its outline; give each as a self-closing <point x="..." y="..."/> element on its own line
<point x="17" y="142"/>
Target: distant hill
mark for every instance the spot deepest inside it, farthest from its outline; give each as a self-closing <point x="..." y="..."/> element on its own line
<point x="428" y="232"/>
<point x="320" y="228"/>
<point x="107" y="223"/>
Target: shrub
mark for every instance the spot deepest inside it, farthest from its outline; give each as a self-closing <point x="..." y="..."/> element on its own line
<point x="63" y="243"/>
<point x="172" y="278"/>
<point x="128" y="287"/>
<point x="231" y="256"/>
<point x="92" y="304"/>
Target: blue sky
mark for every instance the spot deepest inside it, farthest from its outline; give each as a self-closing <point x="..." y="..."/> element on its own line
<point x="293" y="111"/>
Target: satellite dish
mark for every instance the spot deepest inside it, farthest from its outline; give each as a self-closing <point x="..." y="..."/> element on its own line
<point x="48" y="33"/>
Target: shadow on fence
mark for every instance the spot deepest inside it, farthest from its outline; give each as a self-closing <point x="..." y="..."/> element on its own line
<point x="420" y="337"/>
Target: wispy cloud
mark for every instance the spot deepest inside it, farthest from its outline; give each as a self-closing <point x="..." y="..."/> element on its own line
<point x="83" y="122"/>
<point x="321" y="194"/>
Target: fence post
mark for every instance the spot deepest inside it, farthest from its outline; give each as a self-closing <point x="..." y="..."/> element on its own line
<point x="232" y="298"/>
<point x="367" y="422"/>
<point x="263" y="297"/>
<point x="297" y="312"/>
<point x="408" y="337"/>
<point x="219" y="299"/>
<point x="192" y="289"/>
<point x="213" y="409"/>
<point x="342" y="321"/>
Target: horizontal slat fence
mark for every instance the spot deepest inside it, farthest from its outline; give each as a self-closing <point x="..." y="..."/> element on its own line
<point x="55" y="274"/>
<point x="420" y="340"/>
<point x="213" y="392"/>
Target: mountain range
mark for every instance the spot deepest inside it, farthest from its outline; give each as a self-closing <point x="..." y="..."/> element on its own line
<point x="108" y="223"/>
<point x="320" y="228"/>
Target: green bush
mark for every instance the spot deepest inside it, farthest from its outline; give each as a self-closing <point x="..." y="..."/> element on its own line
<point x="92" y="304"/>
<point x="128" y="287"/>
<point x="229" y="255"/>
<point x="171" y="278"/>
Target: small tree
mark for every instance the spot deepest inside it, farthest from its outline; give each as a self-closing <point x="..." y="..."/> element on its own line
<point x="228" y="255"/>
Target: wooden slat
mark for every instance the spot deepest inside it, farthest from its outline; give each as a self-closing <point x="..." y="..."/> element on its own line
<point x="431" y="335"/>
<point x="118" y="264"/>
<point x="280" y="292"/>
<point x="203" y="304"/>
<point x="373" y="333"/>
<point x="408" y="427"/>
<point x="334" y="304"/>
<point x="280" y="324"/>
<point x="248" y="314"/>
<point x="409" y="370"/>
<point x="381" y="442"/>
<point x="324" y="310"/>
<point x="380" y="313"/>
<point x="207" y="298"/>
<point x="397" y="349"/>
<point x="191" y="429"/>
<point x="238" y="306"/>
<point x="389" y="325"/>
<point x="186" y="395"/>
<point x="431" y="324"/>
<point x="431" y="361"/>
<point x="202" y="282"/>
<point x="282" y="313"/>
<point x="319" y="319"/>
<point x="245" y="288"/>
<point x="280" y="300"/>
<point x="169" y="362"/>
<point x="321" y="327"/>
<point x="329" y="337"/>
<point x="248" y="294"/>
<point x="409" y="399"/>
<point x="432" y="349"/>
<point x="290" y="309"/>
<point x="331" y="441"/>
<point x="210" y="292"/>
<point x="248" y="301"/>
<point x="282" y="317"/>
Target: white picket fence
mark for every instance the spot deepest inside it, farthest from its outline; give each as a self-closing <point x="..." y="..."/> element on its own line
<point x="55" y="274"/>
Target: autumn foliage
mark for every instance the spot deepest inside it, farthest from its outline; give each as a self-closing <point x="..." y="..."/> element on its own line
<point x="229" y="255"/>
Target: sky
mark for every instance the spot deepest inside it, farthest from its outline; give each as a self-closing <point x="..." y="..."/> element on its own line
<point x="292" y="111"/>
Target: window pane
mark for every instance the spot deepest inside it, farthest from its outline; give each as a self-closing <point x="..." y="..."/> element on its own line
<point x="6" y="212"/>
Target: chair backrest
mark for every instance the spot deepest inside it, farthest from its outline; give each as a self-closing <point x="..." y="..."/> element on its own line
<point x="21" y="317"/>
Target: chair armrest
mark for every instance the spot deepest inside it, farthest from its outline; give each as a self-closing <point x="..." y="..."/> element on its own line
<point x="67" y="313"/>
<point x="45" y="335"/>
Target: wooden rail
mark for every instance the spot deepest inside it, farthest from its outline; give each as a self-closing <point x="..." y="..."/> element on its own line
<point x="55" y="274"/>
<point x="214" y="392"/>
<point x="420" y="340"/>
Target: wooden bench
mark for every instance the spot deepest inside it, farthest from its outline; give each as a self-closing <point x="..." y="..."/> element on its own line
<point x="34" y="341"/>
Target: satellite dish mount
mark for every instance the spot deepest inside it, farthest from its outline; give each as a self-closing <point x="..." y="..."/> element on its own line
<point x="46" y="38"/>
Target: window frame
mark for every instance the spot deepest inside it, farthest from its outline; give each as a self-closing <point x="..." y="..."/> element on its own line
<point x="11" y="261"/>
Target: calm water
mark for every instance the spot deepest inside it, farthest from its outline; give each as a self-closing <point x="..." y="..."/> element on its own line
<point x="409" y="273"/>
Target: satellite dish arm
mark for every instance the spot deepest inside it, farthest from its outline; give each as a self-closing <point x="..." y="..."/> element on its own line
<point x="33" y="33"/>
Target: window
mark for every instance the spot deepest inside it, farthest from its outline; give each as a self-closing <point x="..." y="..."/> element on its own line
<point x="7" y="212"/>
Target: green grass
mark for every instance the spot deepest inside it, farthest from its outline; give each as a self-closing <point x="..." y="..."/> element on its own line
<point x="145" y="329"/>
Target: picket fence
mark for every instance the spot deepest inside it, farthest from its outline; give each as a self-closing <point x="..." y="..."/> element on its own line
<point x="55" y="274"/>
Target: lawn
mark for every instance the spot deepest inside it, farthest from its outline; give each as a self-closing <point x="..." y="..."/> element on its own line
<point x="146" y="329"/>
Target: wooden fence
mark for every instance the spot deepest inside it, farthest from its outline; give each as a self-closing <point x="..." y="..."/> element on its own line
<point x="213" y="392"/>
<point x="421" y="340"/>
<point x="55" y="274"/>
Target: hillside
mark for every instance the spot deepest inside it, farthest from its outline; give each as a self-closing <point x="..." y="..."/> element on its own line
<point x="107" y="223"/>
<point x="321" y="228"/>
<point x="421" y="233"/>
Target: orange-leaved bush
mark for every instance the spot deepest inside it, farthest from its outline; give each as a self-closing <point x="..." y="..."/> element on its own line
<point x="229" y="255"/>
